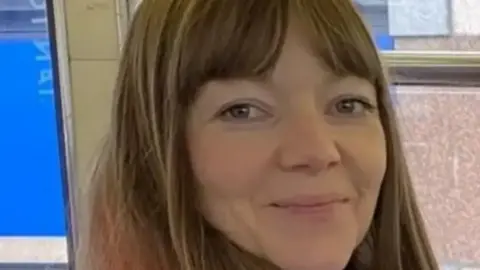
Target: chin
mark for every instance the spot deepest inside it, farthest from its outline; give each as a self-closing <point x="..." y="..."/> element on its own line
<point x="298" y="261"/>
<point x="330" y="253"/>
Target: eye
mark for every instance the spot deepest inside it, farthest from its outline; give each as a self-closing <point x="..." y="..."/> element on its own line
<point x="243" y="112"/>
<point x="352" y="107"/>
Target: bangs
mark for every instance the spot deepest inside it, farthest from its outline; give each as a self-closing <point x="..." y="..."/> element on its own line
<point x="244" y="39"/>
<point x="231" y="39"/>
<point x="338" y="35"/>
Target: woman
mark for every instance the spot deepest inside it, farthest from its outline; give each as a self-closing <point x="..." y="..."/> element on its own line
<point x="252" y="135"/>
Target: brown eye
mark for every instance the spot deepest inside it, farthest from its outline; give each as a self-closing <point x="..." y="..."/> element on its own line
<point x="243" y="112"/>
<point x="352" y="106"/>
<point x="239" y="111"/>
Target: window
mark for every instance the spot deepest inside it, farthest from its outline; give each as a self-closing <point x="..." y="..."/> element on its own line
<point x="433" y="50"/>
<point x="435" y="25"/>
<point x="32" y="219"/>
<point x="440" y="126"/>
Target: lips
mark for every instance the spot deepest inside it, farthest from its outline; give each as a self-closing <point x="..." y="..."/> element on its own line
<point x="310" y="208"/>
<point x="310" y="201"/>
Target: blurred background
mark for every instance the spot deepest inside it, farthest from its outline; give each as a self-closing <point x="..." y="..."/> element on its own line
<point x="56" y="81"/>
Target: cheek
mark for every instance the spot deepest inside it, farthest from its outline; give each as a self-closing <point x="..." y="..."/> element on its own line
<point x="366" y="162"/>
<point x="366" y="158"/>
<point x="229" y="170"/>
<point x="370" y="172"/>
<point x="229" y="165"/>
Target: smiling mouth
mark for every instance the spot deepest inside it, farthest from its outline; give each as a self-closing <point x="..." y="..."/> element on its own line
<point x="311" y="206"/>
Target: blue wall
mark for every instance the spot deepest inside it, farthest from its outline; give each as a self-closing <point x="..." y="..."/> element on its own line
<point x="31" y="194"/>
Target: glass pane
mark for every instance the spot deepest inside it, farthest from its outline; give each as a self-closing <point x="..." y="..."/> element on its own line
<point x="441" y="127"/>
<point x="439" y="25"/>
<point x="32" y="213"/>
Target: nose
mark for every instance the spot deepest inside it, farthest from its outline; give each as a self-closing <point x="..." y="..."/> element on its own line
<point x="308" y="146"/>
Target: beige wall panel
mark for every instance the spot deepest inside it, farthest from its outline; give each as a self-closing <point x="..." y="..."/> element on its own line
<point x="93" y="49"/>
<point x="92" y="84"/>
<point x="92" y="29"/>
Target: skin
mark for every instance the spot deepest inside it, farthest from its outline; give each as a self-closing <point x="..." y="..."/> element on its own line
<point x="302" y="131"/>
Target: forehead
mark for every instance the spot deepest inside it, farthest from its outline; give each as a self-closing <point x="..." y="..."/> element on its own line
<point x="299" y="67"/>
<point x="297" y="59"/>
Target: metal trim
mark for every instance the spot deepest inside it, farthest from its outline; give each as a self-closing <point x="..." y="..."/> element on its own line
<point x="434" y="68"/>
<point x="436" y="76"/>
<point x="431" y="58"/>
<point x="62" y="85"/>
<point x="33" y="266"/>
<point x="123" y="14"/>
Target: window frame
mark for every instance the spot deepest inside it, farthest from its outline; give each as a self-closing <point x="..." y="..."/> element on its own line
<point x="57" y="33"/>
<point x="433" y="68"/>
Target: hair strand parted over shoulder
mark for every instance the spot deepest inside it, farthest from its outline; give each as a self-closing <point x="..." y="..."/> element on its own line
<point x="142" y="204"/>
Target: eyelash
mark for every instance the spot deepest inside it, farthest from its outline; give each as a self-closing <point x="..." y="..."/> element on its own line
<point x="226" y="113"/>
<point x="369" y="107"/>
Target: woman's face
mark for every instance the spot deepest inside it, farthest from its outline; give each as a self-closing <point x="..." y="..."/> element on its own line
<point x="290" y="167"/>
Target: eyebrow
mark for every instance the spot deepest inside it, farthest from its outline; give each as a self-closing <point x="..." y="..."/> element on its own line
<point x="360" y="85"/>
<point x="354" y="79"/>
<point x="264" y="81"/>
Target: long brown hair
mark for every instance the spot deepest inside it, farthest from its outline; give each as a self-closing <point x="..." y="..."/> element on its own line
<point x="142" y="201"/>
